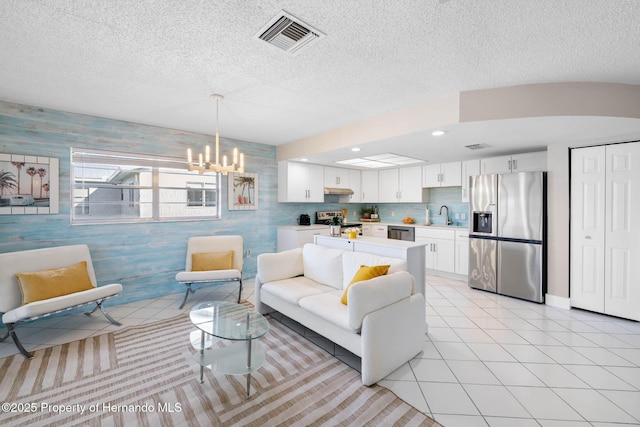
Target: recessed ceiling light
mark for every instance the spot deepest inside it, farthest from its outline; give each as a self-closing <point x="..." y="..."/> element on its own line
<point x="304" y="160"/>
<point x="355" y="149"/>
<point x="438" y="133"/>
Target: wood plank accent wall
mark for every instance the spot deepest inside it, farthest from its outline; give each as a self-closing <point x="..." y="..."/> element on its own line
<point x="144" y="257"/>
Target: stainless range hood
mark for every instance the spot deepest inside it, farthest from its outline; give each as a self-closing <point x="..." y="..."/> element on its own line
<point x="334" y="190"/>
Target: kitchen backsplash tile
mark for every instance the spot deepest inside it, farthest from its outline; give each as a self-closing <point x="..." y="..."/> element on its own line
<point x="449" y="196"/>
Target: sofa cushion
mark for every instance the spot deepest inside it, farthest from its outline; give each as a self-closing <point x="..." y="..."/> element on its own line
<point x="327" y="306"/>
<point x="294" y="289"/>
<point x="351" y="262"/>
<point x="207" y="261"/>
<point x="280" y="265"/>
<point x="324" y="265"/>
<point x="364" y="273"/>
<point x="54" y="282"/>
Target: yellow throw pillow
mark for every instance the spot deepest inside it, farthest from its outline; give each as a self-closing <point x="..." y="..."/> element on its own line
<point x="365" y="273"/>
<point x="42" y="285"/>
<point x="207" y="261"/>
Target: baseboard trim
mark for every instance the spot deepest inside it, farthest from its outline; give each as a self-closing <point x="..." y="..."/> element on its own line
<point x="556" y="301"/>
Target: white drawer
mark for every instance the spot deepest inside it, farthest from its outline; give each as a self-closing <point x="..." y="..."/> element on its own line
<point x="462" y="234"/>
<point x="435" y="233"/>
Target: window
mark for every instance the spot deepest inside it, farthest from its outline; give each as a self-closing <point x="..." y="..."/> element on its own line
<point x="201" y="195"/>
<point x="119" y="187"/>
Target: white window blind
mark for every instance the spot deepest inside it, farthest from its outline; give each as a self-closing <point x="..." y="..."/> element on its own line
<point x="113" y="187"/>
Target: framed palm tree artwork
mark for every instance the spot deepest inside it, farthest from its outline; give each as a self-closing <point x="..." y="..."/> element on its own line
<point x="28" y="184"/>
<point x="243" y="191"/>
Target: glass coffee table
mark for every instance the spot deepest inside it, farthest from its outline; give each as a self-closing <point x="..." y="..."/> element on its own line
<point x="228" y="321"/>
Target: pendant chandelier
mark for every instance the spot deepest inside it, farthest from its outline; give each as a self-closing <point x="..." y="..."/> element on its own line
<point x="204" y="165"/>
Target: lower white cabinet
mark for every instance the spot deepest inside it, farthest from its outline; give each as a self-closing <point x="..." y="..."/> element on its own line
<point x="462" y="252"/>
<point x="374" y="230"/>
<point x="440" y="248"/>
<point x="295" y="236"/>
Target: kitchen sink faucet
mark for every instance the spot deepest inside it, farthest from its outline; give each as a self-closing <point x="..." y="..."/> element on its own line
<point x="449" y="222"/>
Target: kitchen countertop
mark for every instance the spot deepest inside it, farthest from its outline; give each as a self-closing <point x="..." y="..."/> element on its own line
<point x="418" y="225"/>
<point x="304" y="227"/>
<point x="381" y="241"/>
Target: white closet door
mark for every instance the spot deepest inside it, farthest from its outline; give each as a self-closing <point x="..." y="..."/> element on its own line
<point x="587" y="228"/>
<point x="622" y="245"/>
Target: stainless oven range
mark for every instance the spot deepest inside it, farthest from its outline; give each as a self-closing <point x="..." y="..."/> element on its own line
<point x="326" y="217"/>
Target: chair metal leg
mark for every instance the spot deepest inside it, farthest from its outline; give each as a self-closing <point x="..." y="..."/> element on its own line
<point x="186" y="295"/>
<point x="109" y="318"/>
<point x="240" y="291"/>
<point x="11" y="331"/>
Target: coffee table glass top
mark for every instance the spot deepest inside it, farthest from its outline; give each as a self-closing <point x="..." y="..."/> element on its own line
<point x="228" y="320"/>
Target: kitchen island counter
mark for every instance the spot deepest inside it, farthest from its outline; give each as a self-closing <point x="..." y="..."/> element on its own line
<point x="412" y="252"/>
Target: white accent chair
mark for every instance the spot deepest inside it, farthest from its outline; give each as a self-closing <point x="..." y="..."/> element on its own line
<point x="204" y="244"/>
<point x="44" y="259"/>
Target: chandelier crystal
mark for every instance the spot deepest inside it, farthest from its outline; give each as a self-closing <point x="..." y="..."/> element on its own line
<point x="204" y="164"/>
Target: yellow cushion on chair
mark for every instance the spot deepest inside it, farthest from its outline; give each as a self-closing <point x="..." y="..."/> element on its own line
<point x="207" y="261"/>
<point x="365" y="273"/>
<point x="42" y="285"/>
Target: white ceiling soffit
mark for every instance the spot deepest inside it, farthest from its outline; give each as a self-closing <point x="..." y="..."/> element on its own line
<point x="289" y="33"/>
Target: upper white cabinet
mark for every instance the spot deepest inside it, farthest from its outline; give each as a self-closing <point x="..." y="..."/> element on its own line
<point x="442" y="175"/>
<point x="469" y="168"/>
<point x="403" y="185"/>
<point x="336" y="177"/>
<point x="300" y="182"/>
<point x="369" y="182"/>
<point x="355" y="183"/>
<point x="528" y="162"/>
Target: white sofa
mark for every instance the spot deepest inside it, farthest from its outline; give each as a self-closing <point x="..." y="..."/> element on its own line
<point x="384" y="322"/>
<point x="42" y="259"/>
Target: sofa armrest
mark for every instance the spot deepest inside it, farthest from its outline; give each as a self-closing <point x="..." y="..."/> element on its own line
<point x="279" y="265"/>
<point x="370" y="295"/>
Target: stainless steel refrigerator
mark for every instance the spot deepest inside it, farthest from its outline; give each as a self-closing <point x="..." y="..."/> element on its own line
<point x="507" y="232"/>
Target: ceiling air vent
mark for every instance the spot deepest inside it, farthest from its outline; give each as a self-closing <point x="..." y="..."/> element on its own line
<point x="476" y="146"/>
<point x="288" y="33"/>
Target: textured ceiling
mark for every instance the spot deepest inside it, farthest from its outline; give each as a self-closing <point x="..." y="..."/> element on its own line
<point x="158" y="61"/>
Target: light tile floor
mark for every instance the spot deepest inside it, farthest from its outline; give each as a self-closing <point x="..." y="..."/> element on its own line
<point x="491" y="360"/>
<point x="488" y="360"/>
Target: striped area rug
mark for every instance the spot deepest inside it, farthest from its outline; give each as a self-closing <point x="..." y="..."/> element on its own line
<point x="147" y="376"/>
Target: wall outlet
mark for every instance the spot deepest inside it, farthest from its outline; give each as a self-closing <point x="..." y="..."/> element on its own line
<point x="457" y="216"/>
<point x="463" y="216"/>
<point x="393" y="213"/>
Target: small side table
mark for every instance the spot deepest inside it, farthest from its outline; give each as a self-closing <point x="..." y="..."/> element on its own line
<point x="234" y="322"/>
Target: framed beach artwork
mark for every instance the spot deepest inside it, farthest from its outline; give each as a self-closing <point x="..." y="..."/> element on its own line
<point x="28" y="184"/>
<point x="243" y="191"/>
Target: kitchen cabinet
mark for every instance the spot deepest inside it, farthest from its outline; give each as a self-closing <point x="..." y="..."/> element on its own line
<point x="439" y="248"/>
<point x="336" y="177"/>
<point x="374" y="230"/>
<point x="605" y="239"/>
<point x="442" y="175"/>
<point x="300" y="182"/>
<point x="403" y="185"/>
<point x="295" y="236"/>
<point x="356" y="185"/>
<point x="527" y="162"/>
<point x="462" y="252"/>
<point x="369" y="182"/>
<point x="469" y="168"/>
